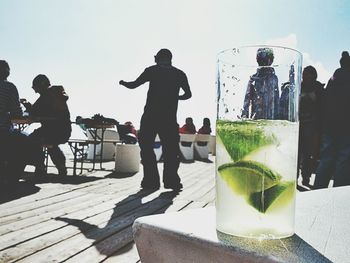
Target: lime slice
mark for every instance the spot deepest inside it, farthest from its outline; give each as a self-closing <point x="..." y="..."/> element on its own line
<point x="273" y="198"/>
<point x="247" y="177"/>
<point x="242" y="137"/>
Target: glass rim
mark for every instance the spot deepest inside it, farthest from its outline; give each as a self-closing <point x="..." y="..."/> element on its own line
<point x="221" y="53"/>
<point x="256" y="46"/>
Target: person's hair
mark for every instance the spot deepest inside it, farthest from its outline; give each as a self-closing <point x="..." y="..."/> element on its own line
<point x="311" y="71"/>
<point x="206" y="122"/>
<point x="4" y="70"/>
<point x="345" y="60"/>
<point x="189" y="120"/>
<point x="163" y="55"/>
<point x="41" y="80"/>
<point x="264" y="56"/>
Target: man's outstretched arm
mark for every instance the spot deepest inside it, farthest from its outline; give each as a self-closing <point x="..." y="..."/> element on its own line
<point x="129" y="85"/>
<point x="134" y="84"/>
<point x="187" y="91"/>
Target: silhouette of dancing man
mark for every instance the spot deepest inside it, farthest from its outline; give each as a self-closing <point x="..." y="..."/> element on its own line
<point x="159" y="117"/>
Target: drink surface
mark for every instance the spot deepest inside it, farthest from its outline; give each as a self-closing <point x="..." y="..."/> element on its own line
<point x="256" y="164"/>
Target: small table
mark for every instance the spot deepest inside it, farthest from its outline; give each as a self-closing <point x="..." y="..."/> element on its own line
<point x="93" y="128"/>
<point x="322" y="235"/>
<point x="77" y="147"/>
<point x="23" y="122"/>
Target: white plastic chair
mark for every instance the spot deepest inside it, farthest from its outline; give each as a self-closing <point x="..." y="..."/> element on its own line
<point x="186" y="146"/>
<point x="127" y="158"/>
<point x="158" y="148"/>
<point x="201" y="146"/>
<point x="212" y="145"/>
<point x="108" y="148"/>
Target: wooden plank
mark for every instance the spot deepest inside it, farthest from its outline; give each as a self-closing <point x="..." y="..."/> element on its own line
<point x="192" y="191"/>
<point x="8" y="213"/>
<point x="209" y="196"/>
<point x="72" y="228"/>
<point x="94" y="207"/>
<point x="110" y="245"/>
<point x="178" y="205"/>
<point x="104" y="248"/>
<point x="34" y="216"/>
<point x="210" y="204"/>
<point x="64" y="250"/>
<point x="194" y="205"/>
<point x="28" y="218"/>
<point x="38" y="230"/>
<point x="48" y="192"/>
<point x="208" y="183"/>
<point x="131" y="254"/>
<point x="102" y="221"/>
<point x="127" y="254"/>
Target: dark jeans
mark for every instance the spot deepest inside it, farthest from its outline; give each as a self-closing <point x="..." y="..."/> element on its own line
<point x="335" y="161"/>
<point x="14" y="150"/>
<point x="308" y="132"/>
<point x="45" y="136"/>
<point x="168" y="132"/>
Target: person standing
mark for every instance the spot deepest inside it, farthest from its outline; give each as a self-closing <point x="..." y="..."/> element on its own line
<point x="55" y="127"/>
<point x="261" y="100"/>
<point x="159" y="117"/>
<point x="287" y="109"/>
<point x="310" y="122"/>
<point x="335" y="150"/>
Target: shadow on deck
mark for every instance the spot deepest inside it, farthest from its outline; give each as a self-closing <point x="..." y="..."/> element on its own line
<point x="20" y="190"/>
<point x="89" y="218"/>
<point x="121" y="218"/>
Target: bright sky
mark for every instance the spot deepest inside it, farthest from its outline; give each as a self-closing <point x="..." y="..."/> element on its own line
<point x="88" y="46"/>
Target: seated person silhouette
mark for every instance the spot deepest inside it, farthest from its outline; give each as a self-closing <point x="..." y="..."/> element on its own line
<point x="262" y="96"/>
<point x="188" y="127"/>
<point x="205" y="129"/>
<point x="13" y="144"/>
<point x="131" y="128"/>
<point x="127" y="133"/>
<point x="55" y="127"/>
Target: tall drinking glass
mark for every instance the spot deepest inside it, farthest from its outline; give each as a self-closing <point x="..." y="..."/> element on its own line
<point x="257" y="140"/>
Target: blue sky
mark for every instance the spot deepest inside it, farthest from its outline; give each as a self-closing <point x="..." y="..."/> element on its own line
<point x="88" y="46"/>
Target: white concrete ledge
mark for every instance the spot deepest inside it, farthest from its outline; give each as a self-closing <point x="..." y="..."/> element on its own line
<point x="322" y="235"/>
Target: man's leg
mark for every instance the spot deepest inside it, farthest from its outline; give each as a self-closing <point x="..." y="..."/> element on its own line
<point x="342" y="169"/>
<point x="306" y="151"/>
<point x="169" y="136"/>
<point x="36" y="156"/>
<point x="18" y="154"/>
<point x="58" y="158"/>
<point x="147" y="136"/>
<point x="327" y="163"/>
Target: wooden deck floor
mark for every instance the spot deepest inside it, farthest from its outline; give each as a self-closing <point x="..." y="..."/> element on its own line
<point x="88" y="218"/>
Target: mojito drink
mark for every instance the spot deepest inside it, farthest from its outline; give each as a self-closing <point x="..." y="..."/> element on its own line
<point x="256" y="166"/>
